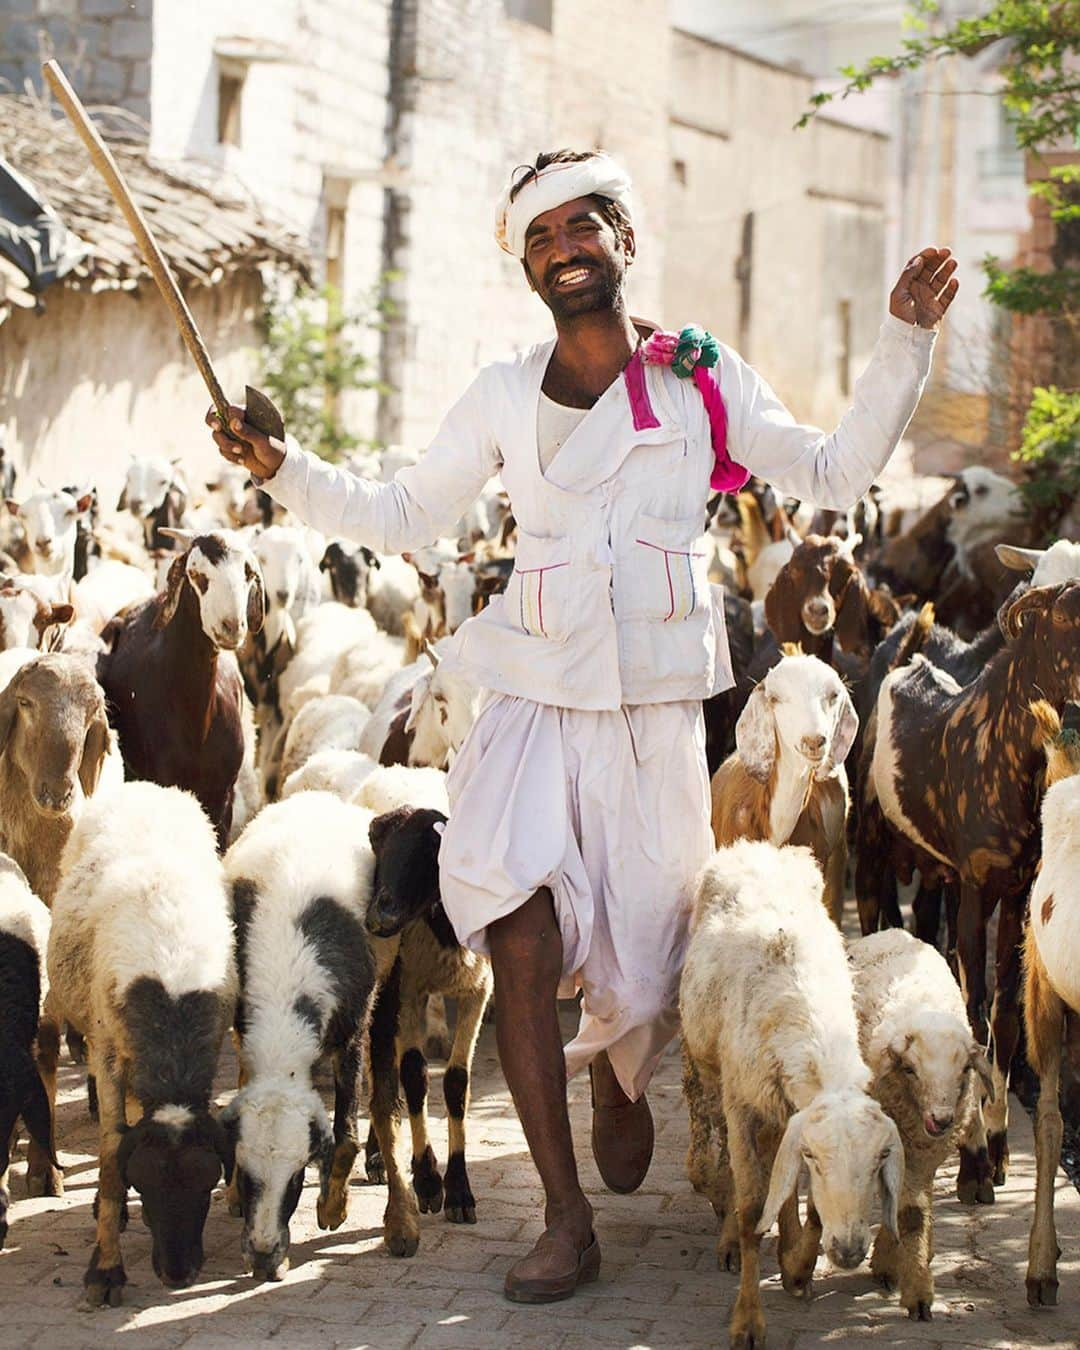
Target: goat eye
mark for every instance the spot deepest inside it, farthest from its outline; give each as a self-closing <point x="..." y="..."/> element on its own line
<point x="831" y="696"/>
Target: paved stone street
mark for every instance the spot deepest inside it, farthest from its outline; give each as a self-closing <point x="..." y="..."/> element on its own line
<point x="659" y="1285"/>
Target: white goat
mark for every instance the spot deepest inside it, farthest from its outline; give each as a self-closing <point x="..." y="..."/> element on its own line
<point x="915" y="1036"/>
<point x="51" y="521"/>
<point x="773" y="1066"/>
<point x="141" y="962"/>
<point x="1046" y="566"/>
<point x="786" y="781"/>
<point x="291" y="580"/>
<point x="423" y="716"/>
<point x="984" y="506"/>
<point x="393" y="588"/>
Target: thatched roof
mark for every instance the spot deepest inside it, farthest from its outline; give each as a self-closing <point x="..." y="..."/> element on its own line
<point x="204" y="233"/>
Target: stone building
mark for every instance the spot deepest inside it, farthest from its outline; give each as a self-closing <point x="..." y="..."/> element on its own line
<point x="382" y="131"/>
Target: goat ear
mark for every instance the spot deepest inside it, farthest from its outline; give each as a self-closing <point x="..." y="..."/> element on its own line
<point x="122" y="502"/>
<point x="256" y="604"/>
<point x="785" y="1172"/>
<point x="224" y="1130"/>
<point x="8" y="708"/>
<point x="852" y="616"/>
<point x="843" y="737"/>
<point x="782" y="609"/>
<point x="174" y="585"/>
<point x="95" y="748"/>
<point x="755" y="736"/>
<point x="12" y="506"/>
<point x="419" y="696"/>
<point x="890" y="1181"/>
<point x="321" y="1141"/>
<point x="1018" y="559"/>
<point x="978" y="1061"/>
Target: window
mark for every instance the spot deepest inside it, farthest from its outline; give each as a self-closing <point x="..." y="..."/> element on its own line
<point x="536" y="12"/>
<point x="230" y="96"/>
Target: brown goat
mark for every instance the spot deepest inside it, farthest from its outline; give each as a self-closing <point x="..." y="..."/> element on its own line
<point x="959" y="772"/>
<point x="821" y="596"/>
<point x="174" y="695"/>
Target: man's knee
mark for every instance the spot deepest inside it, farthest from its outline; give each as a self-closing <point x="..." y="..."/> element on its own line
<point x="527" y="944"/>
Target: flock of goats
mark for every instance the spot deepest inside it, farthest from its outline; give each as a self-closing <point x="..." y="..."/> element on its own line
<point x="223" y="744"/>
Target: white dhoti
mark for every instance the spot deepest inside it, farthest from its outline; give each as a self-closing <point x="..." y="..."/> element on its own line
<point x="610" y="810"/>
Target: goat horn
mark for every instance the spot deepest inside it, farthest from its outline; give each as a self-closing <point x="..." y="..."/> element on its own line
<point x="1037" y="598"/>
<point x="430" y="652"/>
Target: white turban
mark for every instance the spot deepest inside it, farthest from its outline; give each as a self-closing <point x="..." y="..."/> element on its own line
<point x="561" y="182"/>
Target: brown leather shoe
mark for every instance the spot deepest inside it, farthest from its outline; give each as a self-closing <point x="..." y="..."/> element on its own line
<point x="622" y="1137"/>
<point x="552" y="1271"/>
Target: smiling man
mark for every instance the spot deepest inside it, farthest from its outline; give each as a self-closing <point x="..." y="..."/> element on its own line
<point x="580" y="799"/>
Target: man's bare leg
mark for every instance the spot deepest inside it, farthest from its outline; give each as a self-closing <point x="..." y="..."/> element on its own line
<point x="526" y="955"/>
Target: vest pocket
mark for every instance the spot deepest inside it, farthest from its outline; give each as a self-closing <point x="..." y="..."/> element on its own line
<point x="538" y="597"/>
<point x="668" y="581"/>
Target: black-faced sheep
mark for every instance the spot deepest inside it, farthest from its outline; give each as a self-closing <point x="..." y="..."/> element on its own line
<point x="773" y="1066"/>
<point x="928" y="1074"/>
<point x="141" y="962"/>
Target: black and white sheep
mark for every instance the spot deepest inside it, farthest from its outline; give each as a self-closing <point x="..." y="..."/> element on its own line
<point x="141" y="962"/>
<point x="24" y="937"/>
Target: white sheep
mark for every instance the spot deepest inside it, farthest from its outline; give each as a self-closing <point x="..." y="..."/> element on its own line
<point x="141" y="962"/>
<point x="338" y="771"/>
<point x="333" y="722"/>
<point x="302" y="876"/>
<point x="364" y="669"/>
<point x="392" y="785"/>
<point x="786" y="781"/>
<point x="926" y="1067"/>
<point x="109" y="588"/>
<point x="773" y="1066"/>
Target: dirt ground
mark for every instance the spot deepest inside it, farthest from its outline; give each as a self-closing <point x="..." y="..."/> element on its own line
<point x="659" y="1285"/>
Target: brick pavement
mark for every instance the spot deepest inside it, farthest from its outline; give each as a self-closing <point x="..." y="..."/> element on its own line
<point x="659" y="1285"/>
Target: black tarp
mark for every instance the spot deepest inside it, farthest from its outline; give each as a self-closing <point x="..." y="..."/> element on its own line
<point x="32" y="235"/>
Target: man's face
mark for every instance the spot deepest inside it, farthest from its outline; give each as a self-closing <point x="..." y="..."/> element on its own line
<point x="574" y="260"/>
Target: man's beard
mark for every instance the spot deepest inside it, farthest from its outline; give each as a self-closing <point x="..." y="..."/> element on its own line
<point x="602" y="293"/>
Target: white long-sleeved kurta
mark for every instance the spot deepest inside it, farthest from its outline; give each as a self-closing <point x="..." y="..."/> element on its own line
<point x="610" y="604"/>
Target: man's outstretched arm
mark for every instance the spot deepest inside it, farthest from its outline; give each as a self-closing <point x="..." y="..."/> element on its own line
<point x="835" y="469"/>
<point x="422" y="502"/>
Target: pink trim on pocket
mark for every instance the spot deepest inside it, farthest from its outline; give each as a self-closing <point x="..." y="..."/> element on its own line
<point x="678" y="553"/>
<point x="532" y="571"/>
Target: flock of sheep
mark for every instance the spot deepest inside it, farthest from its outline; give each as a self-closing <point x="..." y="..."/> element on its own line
<point x="223" y="745"/>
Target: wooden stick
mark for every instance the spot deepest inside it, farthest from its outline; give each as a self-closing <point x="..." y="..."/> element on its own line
<point x="159" y="268"/>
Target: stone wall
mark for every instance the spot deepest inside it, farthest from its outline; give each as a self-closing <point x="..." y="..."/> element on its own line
<point x="104" y="46"/>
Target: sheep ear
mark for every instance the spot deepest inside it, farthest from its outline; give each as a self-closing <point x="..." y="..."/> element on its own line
<point x="174" y="585"/>
<point x="890" y="1180"/>
<point x="95" y="748"/>
<point x="321" y="1140"/>
<point x="785" y="1172"/>
<point x="843" y="738"/>
<point x="978" y="1061"/>
<point x="755" y="736"/>
<point x="223" y="1131"/>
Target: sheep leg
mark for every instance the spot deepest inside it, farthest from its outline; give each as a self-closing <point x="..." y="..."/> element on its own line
<point x="332" y="1206"/>
<point x="1006" y="1024"/>
<point x="426" y="1178"/>
<point x="437" y="1041"/>
<point x="460" y="1202"/>
<point x="1044" y="1017"/>
<point x="401" y="1222"/>
<point x="751" y="1163"/>
<point x="105" y="1276"/>
<point x="42" y="1178"/>
<point x="799" y="1246"/>
<point x="5" y="1191"/>
<point x="706" y="1166"/>
<point x="916" y="1240"/>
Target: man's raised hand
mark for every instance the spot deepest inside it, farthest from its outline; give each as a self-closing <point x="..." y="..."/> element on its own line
<point x="926" y="288"/>
<point x="260" y="455"/>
